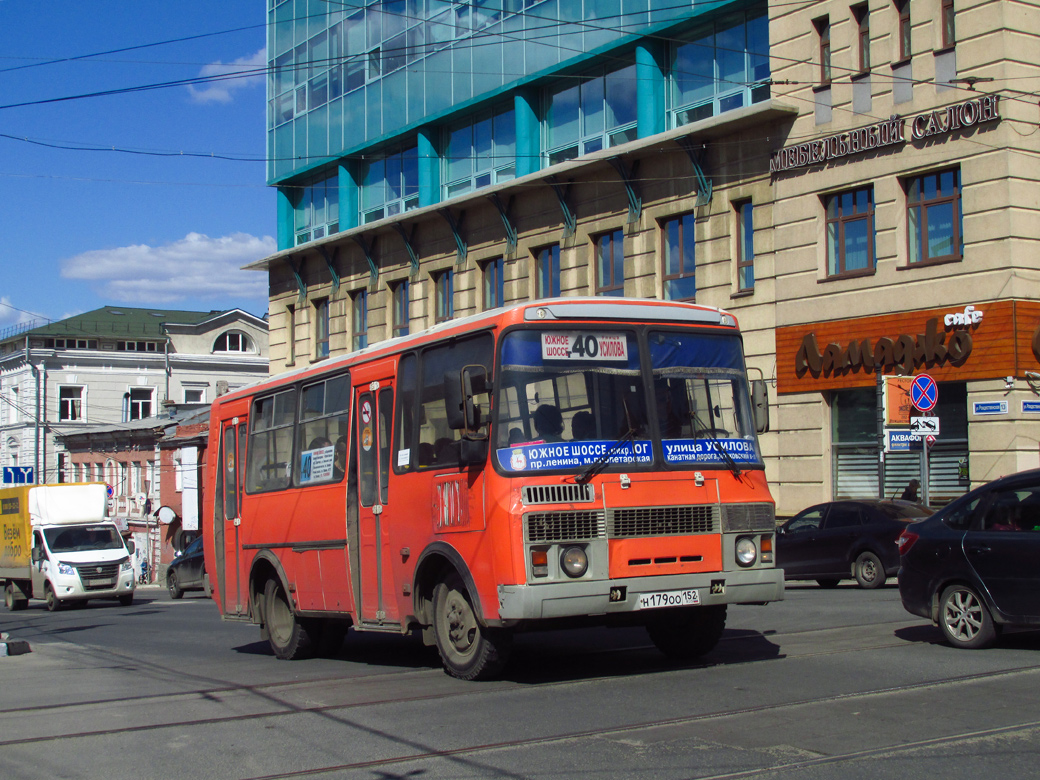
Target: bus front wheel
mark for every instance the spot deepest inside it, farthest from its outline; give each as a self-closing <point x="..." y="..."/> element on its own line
<point x="288" y="637"/>
<point x="687" y="634"/>
<point x="468" y="650"/>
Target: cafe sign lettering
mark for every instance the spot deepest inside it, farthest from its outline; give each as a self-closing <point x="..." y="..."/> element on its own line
<point x="904" y="351"/>
<point x="886" y="133"/>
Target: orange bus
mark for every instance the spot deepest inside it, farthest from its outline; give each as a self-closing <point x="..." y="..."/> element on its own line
<point x="557" y="463"/>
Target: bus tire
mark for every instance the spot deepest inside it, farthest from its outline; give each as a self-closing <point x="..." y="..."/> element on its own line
<point x="468" y="650"/>
<point x="687" y="634"/>
<point x="286" y="634"/>
<point x="126" y="600"/>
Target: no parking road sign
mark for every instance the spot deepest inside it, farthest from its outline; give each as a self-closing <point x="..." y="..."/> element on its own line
<point x="924" y="393"/>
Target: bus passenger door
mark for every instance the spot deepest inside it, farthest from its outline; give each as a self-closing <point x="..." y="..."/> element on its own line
<point x="232" y="448"/>
<point x="373" y="409"/>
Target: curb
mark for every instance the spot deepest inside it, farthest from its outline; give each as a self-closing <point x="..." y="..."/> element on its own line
<point x="13" y="646"/>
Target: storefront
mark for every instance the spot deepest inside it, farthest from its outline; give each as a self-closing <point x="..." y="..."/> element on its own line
<point x="982" y="417"/>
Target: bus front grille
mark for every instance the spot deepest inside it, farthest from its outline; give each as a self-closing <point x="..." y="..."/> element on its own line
<point x="748" y="517"/>
<point x="558" y="494"/>
<point x="662" y="521"/>
<point x="98" y="576"/>
<point x="541" y="527"/>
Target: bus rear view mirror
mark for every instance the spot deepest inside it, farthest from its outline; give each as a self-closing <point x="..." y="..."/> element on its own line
<point x="463" y="412"/>
<point x="760" y="404"/>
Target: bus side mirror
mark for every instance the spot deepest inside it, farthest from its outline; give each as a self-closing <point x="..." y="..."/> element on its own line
<point x="130" y="546"/>
<point x="463" y="413"/>
<point x="760" y="404"/>
<point x="37" y="555"/>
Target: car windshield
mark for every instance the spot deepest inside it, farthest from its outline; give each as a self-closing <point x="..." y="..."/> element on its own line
<point x="570" y="399"/>
<point x="81" y="538"/>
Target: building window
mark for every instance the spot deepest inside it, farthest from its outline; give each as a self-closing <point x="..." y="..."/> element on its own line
<point x="316" y="210"/>
<point x="547" y="272"/>
<point x="399" y="294"/>
<point x="444" y="295"/>
<point x="137" y="346"/>
<point x="745" y="246"/>
<point x="850" y="231"/>
<point x="360" y="321"/>
<point x="934" y="217"/>
<point x="139" y="403"/>
<point x="232" y="341"/>
<point x="949" y="32"/>
<point x="390" y="185"/>
<point x="722" y="67"/>
<point x="494" y="283"/>
<point x="290" y="334"/>
<point x="861" y="13"/>
<point x="680" y="281"/>
<point x="591" y="114"/>
<point x="823" y="36"/>
<point x="480" y="153"/>
<point x="70" y="404"/>
<point x="194" y="395"/>
<point x="321" y="328"/>
<point x="903" y="30"/>
<point x="610" y="263"/>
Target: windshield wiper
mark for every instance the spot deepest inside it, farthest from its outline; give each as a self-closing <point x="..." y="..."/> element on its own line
<point x="701" y="427"/>
<point x="598" y="465"/>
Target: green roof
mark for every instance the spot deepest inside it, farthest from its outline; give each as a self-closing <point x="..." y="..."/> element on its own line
<point x="118" y="322"/>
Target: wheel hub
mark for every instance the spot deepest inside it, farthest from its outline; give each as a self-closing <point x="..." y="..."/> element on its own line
<point x="961" y="616"/>
<point x="460" y="624"/>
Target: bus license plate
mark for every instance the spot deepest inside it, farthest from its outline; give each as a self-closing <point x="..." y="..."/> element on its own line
<point x="102" y="583"/>
<point x="669" y="598"/>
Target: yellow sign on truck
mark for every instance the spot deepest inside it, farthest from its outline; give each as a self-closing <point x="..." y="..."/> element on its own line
<point x="58" y="545"/>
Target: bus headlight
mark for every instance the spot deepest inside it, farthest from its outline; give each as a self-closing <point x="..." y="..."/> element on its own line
<point x="64" y="568"/>
<point x="574" y="561"/>
<point x="747" y="552"/>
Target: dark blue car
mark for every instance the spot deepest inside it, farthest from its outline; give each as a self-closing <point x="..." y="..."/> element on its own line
<point x="972" y="568"/>
<point x="187" y="571"/>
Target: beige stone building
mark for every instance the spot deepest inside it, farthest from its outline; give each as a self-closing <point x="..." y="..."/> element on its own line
<point x="865" y="193"/>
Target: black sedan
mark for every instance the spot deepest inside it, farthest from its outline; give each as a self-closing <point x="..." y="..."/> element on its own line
<point x="845" y="539"/>
<point x="187" y="571"/>
<point x="972" y="567"/>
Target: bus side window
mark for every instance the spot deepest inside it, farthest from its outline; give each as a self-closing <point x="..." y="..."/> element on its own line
<point x="270" y="442"/>
<point x="405" y="440"/>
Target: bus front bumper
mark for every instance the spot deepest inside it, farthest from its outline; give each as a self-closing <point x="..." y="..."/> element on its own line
<point x="634" y="594"/>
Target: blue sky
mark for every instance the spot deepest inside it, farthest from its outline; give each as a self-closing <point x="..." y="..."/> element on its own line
<point x="82" y="226"/>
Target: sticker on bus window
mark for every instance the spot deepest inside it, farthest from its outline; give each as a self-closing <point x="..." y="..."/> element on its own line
<point x="573" y="454"/>
<point x="707" y="451"/>
<point x="316" y="465"/>
<point x="597" y="347"/>
<point x="404" y="457"/>
<point x="366" y="438"/>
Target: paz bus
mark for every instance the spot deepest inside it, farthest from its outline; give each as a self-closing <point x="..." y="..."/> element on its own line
<point x="557" y="463"/>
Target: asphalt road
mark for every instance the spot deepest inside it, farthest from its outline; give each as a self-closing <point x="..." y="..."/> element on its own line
<point x="827" y="684"/>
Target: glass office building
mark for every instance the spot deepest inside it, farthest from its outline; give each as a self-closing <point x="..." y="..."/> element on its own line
<point x="376" y="108"/>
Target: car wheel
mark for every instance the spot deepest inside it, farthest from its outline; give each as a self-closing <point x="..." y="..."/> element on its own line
<point x="127" y="600"/>
<point x="13" y="600"/>
<point x="828" y="584"/>
<point x="289" y="638"/>
<point x="468" y="650"/>
<point x="687" y="634"/>
<point x="964" y="619"/>
<point x="54" y="604"/>
<point x="173" y="585"/>
<point x="870" y="573"/>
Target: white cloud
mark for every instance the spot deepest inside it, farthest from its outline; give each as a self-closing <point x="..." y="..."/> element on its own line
<point x="10" y="315"/>
<point x="251" y="70"/>
<point x="196" y="267"/>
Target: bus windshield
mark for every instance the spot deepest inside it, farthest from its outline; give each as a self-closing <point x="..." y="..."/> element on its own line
<point x="568" y="399"/>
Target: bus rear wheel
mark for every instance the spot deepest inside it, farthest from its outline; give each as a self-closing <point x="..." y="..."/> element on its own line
<point x="13" y="598"/>
<point x="468" y="650"/>
<point x="288" y="637"/>
<point x="687" y="634"/>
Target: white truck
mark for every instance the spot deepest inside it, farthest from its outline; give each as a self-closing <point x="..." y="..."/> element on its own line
<point x="59" y="545"/>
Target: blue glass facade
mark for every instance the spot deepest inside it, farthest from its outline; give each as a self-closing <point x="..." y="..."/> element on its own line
<point x="401" y="103"/>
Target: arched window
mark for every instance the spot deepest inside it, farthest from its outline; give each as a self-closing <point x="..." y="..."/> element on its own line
<point x="232" y="341"/>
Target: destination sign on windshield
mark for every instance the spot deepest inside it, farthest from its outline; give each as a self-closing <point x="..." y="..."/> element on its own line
<point x="584" y="346"/>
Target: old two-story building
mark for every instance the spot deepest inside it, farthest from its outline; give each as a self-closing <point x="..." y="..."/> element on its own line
<point x="852" y="180"/>
<point x="88" y="398"/>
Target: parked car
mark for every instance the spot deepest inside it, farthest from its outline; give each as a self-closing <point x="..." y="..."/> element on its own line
<point x="972" y="567"/>
<point x="840" y="540"/>
<point x="187" y="571"/>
